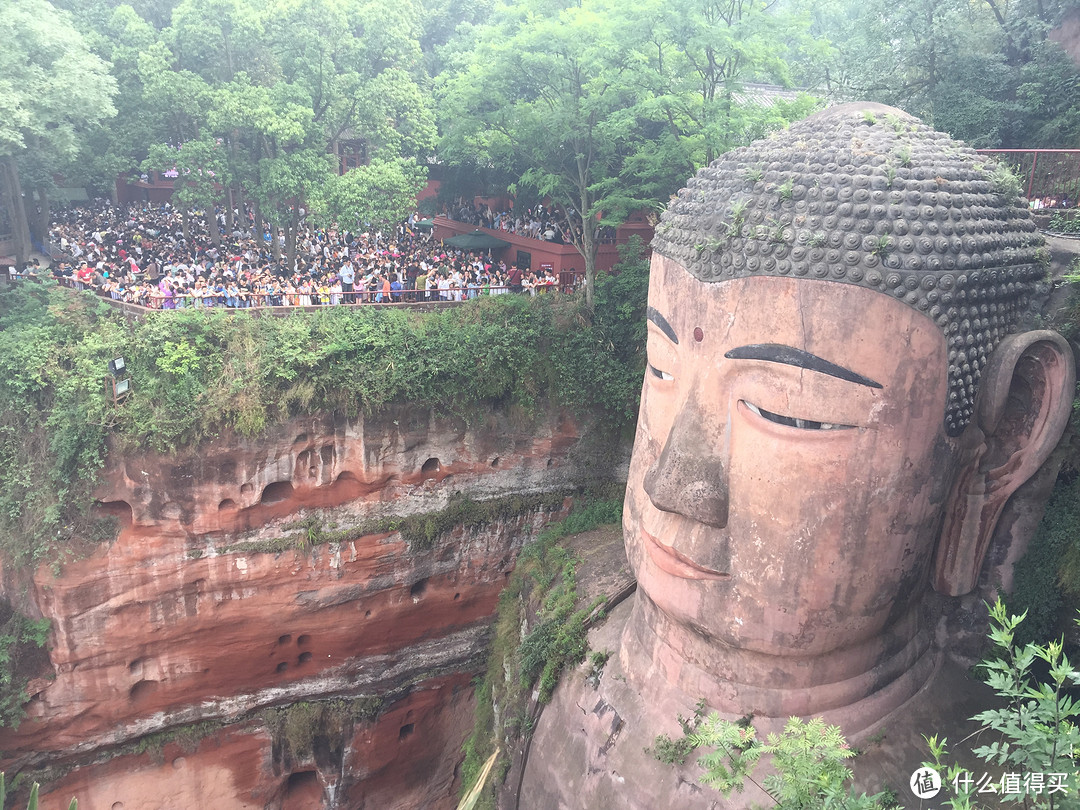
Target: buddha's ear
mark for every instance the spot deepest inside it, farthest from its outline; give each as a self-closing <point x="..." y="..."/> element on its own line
<point x="1025" y="398"/>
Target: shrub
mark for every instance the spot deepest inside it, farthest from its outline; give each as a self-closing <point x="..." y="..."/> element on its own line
<point x="20" y="637"/>
<point x="198" y="373"/>
<point x="1050" y="570"/>
<point x="1034" y="731"/>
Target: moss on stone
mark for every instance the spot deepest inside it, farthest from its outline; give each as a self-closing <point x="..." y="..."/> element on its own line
<point x="421" y="532"/>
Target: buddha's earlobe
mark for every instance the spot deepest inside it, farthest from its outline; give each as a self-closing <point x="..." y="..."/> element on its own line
<point x="1025" y="398"/>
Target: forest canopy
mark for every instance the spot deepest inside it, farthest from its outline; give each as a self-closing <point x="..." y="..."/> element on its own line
<point x="599" y="107"/>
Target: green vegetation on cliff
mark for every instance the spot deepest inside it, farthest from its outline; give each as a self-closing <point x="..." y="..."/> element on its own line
<point x="541" y="594"/>
<point x="22" y="643"/>
<point x="1032" y="729"/>
<point x="199" y="373"/>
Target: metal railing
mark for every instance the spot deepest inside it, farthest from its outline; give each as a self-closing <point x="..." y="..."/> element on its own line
<point x="1047" y="174"/>
<point x="155" y="300"/>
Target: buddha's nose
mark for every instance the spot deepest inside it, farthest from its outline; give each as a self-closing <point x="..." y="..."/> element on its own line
<point x="690" y="478"/>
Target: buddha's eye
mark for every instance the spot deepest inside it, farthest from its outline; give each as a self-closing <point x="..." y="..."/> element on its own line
<point x="790" y="421"/>
<point x="663" y="375"/>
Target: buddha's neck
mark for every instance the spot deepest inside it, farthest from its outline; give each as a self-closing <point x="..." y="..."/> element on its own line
<point x="852" y="687"/>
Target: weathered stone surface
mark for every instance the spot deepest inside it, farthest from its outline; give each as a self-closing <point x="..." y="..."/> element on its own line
<point x="405" y="759"/>
<point x="184" y="619"/>
<point x="840" y="401"/>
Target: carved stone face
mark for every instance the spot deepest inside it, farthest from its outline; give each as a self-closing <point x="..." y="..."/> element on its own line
<point x="791" y="466"/>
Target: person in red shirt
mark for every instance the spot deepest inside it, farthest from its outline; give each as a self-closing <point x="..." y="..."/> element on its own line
<point x="514" y="279"/>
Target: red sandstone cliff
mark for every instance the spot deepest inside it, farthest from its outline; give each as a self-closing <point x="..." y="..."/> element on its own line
<point x="196" y="614"/>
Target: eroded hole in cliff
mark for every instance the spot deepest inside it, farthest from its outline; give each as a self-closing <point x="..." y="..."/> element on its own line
<point x="406" y="731"/>
<point x="120" y="511"/>
<point x="136" y="666"/>
<point x="277" y="491"/>
<point x="301" y="438"/>
<point x="550" y="461"/>
<point x="367" y="614"/>
<point x="304" y="657"/>
<point x="245" y="488"/>
<point x="457" y="596"/>
<point x="284" y="665"/>
<point x="431" y="466"/>
<point x="303" y="640"/>
<point x="285" y="639"/>
<point x="226" y="504"/>
<point x="495" y="462"/>
<point x="418" y="588"/>
<point x="303" y="784"/>
<point x="143" y="691"/>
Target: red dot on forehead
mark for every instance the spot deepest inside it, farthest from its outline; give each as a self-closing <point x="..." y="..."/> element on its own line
<point x="698" y="334"/>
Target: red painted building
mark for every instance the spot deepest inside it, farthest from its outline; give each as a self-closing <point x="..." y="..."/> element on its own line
<point x="152" y="187"/>
<point x="536" y="253"/>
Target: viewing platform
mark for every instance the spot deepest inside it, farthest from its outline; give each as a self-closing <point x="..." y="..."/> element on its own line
<point x="527" y="252"/>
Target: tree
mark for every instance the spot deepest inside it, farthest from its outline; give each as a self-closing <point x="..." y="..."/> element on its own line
<point x="201" y="170"/>
<point x="606" y="109"/>
<point x="51" y="89"/>
<point x="544" y="90"/>
<point x="118" y="35"/>
<point x="381" y="193"/>
<point x="699" y="56"/>
<point x="1035" y="730"/>
<point x="281" y="90"/>
<point x="982" y="71"/>
<point x="808" y="757"/>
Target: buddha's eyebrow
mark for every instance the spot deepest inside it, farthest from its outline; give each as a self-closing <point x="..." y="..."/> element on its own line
<point x="790" y="356"/>
<point x="665" y="327"/>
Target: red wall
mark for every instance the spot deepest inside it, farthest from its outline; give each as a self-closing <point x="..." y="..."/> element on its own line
<point x="158" y="191"/>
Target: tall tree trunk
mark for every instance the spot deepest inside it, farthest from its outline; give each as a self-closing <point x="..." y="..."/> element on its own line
<point x="20" y="229"/>
<point x="211" y="223"/>
<point x="290" y="237"/>
<point x="37" y="213"/>
<point x="275" y="245"/>
<point x="46" y="215"/>
<point x="258" y="226"/>
<point x="230" y="202"/>
<point x="588" y="251"/>
<point x="586" y="245"/>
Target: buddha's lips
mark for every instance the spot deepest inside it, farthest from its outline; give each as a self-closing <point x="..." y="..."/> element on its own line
<point x="672" y="562"/>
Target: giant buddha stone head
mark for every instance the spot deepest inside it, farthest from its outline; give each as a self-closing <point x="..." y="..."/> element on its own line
<point x="840" y="398"/>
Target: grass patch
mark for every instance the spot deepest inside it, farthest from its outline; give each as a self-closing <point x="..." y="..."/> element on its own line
<point x="298" y="727"/>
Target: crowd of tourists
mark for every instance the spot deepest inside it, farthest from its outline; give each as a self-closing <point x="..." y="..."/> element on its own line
<point x="547" y="223"/>
<point x="146" y="255"/>
<point x="1039" y="203"/>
